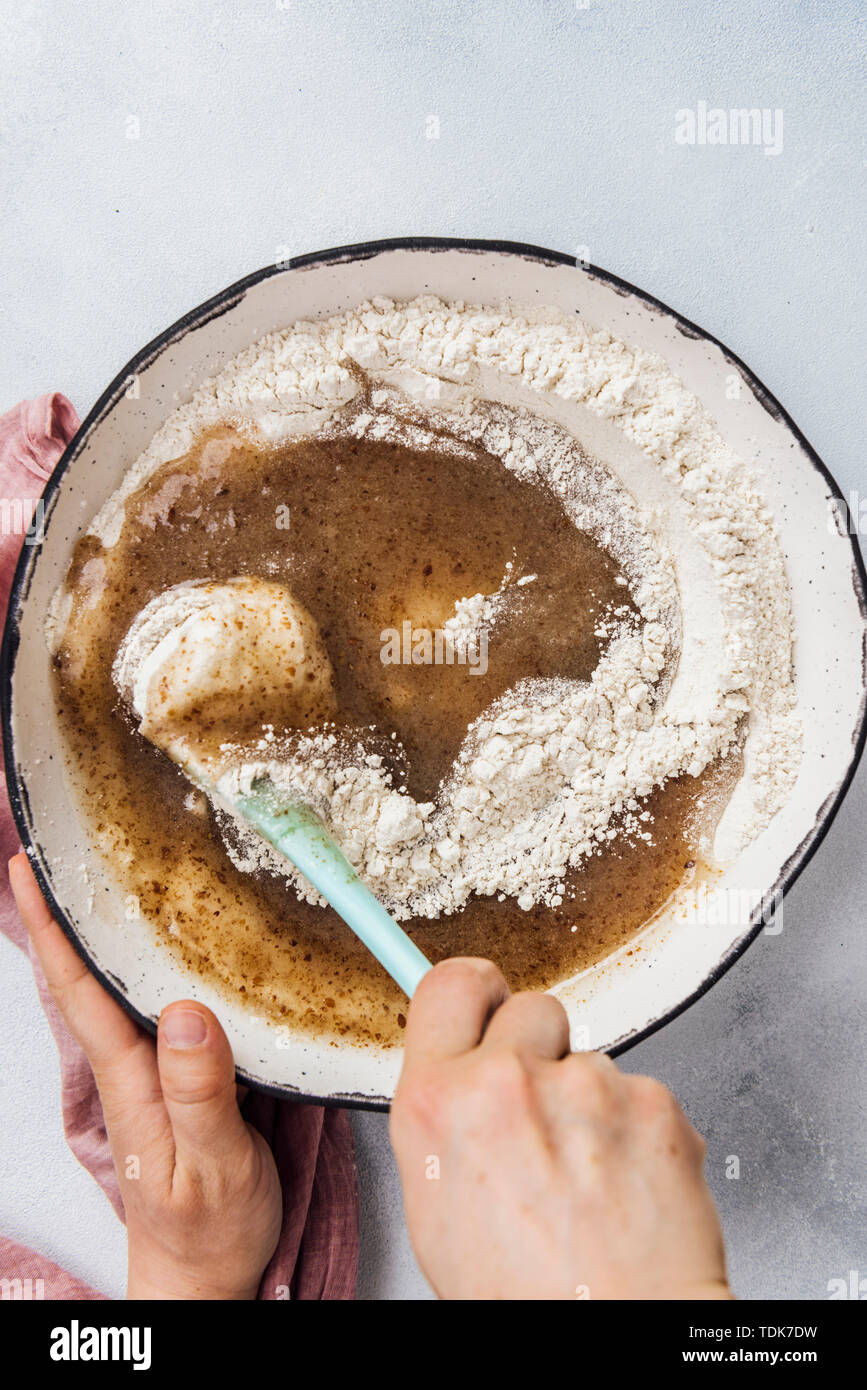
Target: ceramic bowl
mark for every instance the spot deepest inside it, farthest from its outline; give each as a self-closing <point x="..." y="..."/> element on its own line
<point x="682" y="953"/>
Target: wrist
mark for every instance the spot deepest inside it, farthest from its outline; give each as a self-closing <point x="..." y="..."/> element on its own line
<point x="714" y="1289"/>
<point x="158" y="1280"/>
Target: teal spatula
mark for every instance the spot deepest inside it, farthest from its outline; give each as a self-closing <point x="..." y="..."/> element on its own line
<point x="298" y="833"/>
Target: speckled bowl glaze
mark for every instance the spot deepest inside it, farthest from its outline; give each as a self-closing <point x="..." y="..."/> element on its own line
<point x="684" y="951"/>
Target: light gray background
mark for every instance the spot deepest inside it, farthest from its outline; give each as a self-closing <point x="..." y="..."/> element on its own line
<point x="268" y="129"/>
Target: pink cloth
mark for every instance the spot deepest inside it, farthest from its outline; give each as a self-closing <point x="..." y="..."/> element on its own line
<point x="317" y="1254"/>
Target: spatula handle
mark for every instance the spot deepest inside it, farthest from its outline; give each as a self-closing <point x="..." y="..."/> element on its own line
<point x="299" y="834"/>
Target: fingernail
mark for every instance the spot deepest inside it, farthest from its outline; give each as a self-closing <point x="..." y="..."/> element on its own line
<point x="184" y="1028"/>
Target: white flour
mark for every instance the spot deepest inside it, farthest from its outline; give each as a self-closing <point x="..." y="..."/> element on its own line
<point x="556" y="768"/>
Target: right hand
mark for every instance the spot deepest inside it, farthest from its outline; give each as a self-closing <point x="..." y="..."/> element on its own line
<point x="530" y="1172"/>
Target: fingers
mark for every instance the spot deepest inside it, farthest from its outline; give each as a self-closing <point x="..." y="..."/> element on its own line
<point x="197" y="1075"/>
<point x="534" y="1025"/>
<point x="189" y="1077"/>
<point x="122" y="1056"/>
<point x="465" y="1001"/>
<point x="99" y="1024"/>
<point x="451" y="1008"/>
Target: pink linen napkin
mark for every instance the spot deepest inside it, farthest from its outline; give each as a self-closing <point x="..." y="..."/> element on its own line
<point x="317" y="1254"/>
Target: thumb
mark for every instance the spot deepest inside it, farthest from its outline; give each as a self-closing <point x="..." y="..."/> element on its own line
<point x="197" y="1075"/>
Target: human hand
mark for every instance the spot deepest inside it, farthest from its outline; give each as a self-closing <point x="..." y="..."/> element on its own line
<point x="203" y="1211"/>
<point x="532" y="1173"/>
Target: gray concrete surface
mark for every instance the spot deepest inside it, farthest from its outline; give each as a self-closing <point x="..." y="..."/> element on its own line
<point x="153" y="152"/>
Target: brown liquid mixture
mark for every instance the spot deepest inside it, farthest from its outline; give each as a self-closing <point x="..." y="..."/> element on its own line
<point x="377" y="534"/>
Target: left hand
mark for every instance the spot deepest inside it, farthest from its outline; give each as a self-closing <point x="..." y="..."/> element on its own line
<point x="199" y="1185"/>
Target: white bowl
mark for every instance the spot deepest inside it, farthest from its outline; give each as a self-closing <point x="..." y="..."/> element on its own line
<point x="625" y="998"/>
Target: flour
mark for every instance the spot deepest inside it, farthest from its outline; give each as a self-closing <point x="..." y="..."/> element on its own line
<point x="479" y="613"/>
<point x="700" y="661"/>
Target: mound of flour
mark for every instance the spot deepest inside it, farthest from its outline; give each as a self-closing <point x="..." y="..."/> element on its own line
<point x="556" y="768"/>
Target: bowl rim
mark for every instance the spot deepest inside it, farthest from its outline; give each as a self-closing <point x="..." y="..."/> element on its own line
<point x="220" y="304"/>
